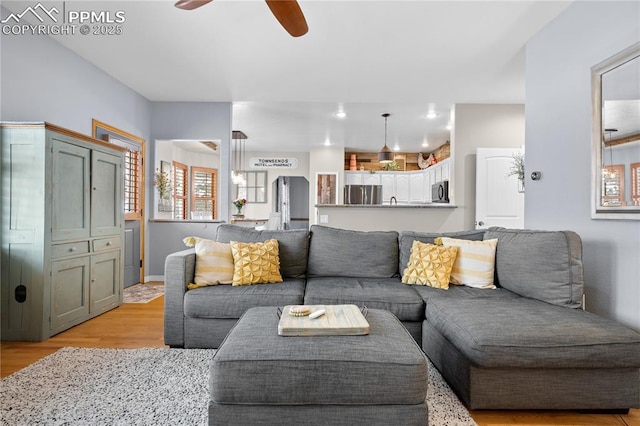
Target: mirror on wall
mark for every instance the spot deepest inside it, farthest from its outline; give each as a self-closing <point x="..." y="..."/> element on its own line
<point x="616" y="136"/>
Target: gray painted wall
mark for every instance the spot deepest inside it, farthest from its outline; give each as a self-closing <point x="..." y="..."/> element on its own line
<point x="44" y="81"/>
<point x="558" y="143"/>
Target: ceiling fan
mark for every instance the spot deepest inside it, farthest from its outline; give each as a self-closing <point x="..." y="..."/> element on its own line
<point x="287" y="12"/>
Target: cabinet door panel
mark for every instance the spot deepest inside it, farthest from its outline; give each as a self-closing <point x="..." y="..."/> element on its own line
<point x="388" y="181"/>
<point x="371" y="179"/>
<point x="69" y="291"/>
<point x="105" y="280"/>
<point x="70" y="186"/>
<point x="106" y="198"/>
<point x="402" y="187"/>
<point x="416" y="187"/>
<point x="353" y="178"/>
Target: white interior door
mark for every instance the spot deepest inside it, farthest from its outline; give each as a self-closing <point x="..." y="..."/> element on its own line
<point x="498" y="201"/>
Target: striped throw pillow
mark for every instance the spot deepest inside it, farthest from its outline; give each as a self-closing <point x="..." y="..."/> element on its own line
<point x="475" y="263"/>
<point x="214" y="262"/>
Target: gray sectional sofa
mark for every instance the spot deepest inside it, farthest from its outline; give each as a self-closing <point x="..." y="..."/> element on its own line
<point x="525" y="345"/>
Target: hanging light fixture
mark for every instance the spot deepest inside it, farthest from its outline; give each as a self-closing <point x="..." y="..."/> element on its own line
<point x="385" y="155"/>
<point x="239" y="139"/>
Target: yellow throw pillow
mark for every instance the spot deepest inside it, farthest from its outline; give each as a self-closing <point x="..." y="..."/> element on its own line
<point x="475" y="263"/>
<point x="214" y="262"/>
<point x="256" y="263"/>
<point x="429" y="265"/>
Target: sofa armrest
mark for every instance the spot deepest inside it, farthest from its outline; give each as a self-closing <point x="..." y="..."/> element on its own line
<point x="179" y="271"/>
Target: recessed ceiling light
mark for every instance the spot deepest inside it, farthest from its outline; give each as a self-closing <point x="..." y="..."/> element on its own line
<point x="431" y="115"/>
<point x="396" y="148"/>
<point x="341" y="114"/>
<point x="425" y="144"/>
<point x="448" y="126"/>
<point x="327" y="142"/>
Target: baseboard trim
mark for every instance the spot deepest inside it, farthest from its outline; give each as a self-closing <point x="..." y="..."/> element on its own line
<point x="153" y="278"/>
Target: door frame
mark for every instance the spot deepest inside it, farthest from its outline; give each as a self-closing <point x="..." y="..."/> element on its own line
<point x="95" y="127"/>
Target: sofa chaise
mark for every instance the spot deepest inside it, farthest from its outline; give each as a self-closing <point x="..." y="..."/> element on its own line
<point x="527" y="344"/>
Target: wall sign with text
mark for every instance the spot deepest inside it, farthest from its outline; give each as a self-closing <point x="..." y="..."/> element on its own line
<point x="273" y="163"/>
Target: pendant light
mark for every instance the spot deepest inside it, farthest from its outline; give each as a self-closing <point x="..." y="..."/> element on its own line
<point x="385" y="155"/>
<point x="238" y="157"/>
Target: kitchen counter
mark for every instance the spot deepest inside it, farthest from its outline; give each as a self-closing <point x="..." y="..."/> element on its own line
<point x="434" y="217"/>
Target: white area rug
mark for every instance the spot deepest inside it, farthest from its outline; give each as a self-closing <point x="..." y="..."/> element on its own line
<point x="142" y="293"/>
<point x="155" y="386"/>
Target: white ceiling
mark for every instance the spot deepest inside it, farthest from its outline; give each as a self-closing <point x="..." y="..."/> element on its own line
<point x="370" y="57"/>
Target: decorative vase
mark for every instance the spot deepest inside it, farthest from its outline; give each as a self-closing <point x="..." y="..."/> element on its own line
<point x="164" y="205"/>
<point x="239" y="212"/>
<point x="521" y="185"/>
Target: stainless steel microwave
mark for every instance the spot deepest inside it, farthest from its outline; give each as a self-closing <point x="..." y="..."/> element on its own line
<point x="440" y="192"/>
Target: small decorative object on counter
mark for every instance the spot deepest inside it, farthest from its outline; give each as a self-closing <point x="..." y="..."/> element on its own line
<point x="239" y="203"/>
<point x="392" y="166"/>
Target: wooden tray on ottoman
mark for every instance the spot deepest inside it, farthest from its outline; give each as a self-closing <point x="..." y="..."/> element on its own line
<point x="339" y="320"/>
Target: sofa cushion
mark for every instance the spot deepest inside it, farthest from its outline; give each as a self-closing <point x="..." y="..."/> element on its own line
<point x="406" y="239"/>
<point x="293" y="245"/>
<point x="463" y="292"/>
<point x="374" y="293"/>
<point x="544" y="265"/>
<point x="528" y="333"/>
<point x="343" y="253"/>
<point x="225" y="301"/>
<point x="430" y="265"/>
<point x="256" y="263"/>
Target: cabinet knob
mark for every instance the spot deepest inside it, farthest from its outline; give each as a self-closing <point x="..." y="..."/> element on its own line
<point x="108" y="243"/>
<point x="481" y="223"/>
<point x="93" y="280"/>
<point x="72" y="249"/>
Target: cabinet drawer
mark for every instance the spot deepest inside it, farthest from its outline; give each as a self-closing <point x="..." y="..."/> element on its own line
<point x="69" y="249"/>
<point x="106" y="244"/>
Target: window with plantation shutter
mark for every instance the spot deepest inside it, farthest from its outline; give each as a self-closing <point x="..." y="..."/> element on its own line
<point x="203" y="192"/>
<point x="179" y="191"/>
<point x="132" y="184"/>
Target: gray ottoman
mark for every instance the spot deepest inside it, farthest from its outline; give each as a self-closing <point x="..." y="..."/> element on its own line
<point x="260" y="378"/>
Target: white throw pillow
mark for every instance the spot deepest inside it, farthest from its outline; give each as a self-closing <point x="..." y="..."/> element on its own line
<point x="214" y="262"/>
<point x="475" y="263"/>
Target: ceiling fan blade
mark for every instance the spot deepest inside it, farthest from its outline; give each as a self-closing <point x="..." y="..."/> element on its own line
<point x="191" y="4"/>
<point x="290" y="16"/>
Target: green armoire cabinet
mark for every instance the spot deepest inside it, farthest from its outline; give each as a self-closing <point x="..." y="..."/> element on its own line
<point x="62" y="229"/>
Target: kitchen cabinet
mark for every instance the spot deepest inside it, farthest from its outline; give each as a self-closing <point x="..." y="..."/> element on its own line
<point x="416" y="187"/>
<point x="388" y="181"/>
<point x="402" y="187"/>
<point x="63" y="230"/>
<point x="406" y="187"/>
<point x="361" y="178"/>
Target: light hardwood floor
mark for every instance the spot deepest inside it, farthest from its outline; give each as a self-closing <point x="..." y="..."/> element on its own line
<point x="141" y="326"/>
